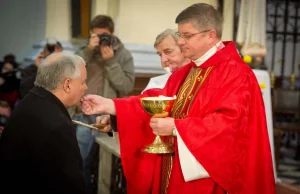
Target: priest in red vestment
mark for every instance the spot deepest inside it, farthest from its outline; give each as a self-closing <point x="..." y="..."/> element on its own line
<point x="217" y="123"/>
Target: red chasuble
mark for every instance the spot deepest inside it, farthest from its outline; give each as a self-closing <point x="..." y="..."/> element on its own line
<point x="222" y="122"/>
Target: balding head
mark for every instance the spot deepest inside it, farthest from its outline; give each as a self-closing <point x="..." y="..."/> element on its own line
<point x="56" y="68"/>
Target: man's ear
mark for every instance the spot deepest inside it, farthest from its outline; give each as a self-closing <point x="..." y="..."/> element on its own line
<point x="66" y="86"/>
<point x="212" y="33"/>
<point x="212" y="36"/>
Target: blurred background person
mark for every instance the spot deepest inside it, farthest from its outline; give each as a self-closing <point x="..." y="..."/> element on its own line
<point x="8" y="58"/>
<point x="9" y="83"/>
<point x="28" y="74"/>
<point x="170" y="56"/>
<point x="5" y="111"/>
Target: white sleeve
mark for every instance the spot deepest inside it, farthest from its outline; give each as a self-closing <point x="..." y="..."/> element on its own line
<point x="191" y="168"/>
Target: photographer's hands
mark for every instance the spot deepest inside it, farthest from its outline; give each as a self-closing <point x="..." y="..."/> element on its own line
<point x="107" y="52"/>
<point x="39" y="59"/>
<point x="93" y="41"/>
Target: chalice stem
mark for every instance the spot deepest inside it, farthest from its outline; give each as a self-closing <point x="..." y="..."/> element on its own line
<point x="158" y="140"/>
<point x="158" y="146"/>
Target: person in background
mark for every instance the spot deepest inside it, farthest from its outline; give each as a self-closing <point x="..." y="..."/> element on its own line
<point x="11" y="58"/>
<point x="58" y="47"/>
<point x="28" y="74"/>
<point x="170" y="56"/>
<point x="110" y="73"/>
<point x="217" y="123"/>
<point x="9" y="83"/>
<point x="38" y="145"/>
<point x="5" y="111"/>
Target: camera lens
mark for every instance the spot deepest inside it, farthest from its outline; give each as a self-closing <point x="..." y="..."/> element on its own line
<point x="105" y="39"/>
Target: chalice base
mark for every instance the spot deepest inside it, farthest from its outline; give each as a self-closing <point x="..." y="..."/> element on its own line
<point x="159" y="147"/>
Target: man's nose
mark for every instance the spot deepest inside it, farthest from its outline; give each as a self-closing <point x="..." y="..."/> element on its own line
<point x="164" y="59"/>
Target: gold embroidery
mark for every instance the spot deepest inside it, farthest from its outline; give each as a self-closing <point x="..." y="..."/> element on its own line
<point x="167" y="164"/>
<point x="200" y="84"/>
<point x="185" y="90"/>
<point x="199" y="78"/>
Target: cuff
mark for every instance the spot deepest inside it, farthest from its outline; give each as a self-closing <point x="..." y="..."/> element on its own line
<point x="110" y="61"/>
<point x="174" y="131"/>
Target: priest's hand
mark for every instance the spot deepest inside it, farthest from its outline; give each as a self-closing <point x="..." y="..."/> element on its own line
<point x="104" y="119"/>
<point x="162" y="126"/>
<point x="94" y="104"/>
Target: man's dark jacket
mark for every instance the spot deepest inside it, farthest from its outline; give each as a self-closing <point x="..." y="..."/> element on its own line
<point x="39" y="152"/>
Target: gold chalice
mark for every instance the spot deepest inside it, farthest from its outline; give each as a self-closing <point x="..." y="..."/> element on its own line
<point x="158" y="107"/>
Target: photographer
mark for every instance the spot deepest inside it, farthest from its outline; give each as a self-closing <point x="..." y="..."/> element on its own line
<point x="110" y="73"/>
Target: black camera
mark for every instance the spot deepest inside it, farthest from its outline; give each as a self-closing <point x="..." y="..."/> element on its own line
<point x="105" y="39"/>
<point x="50" y="44"/>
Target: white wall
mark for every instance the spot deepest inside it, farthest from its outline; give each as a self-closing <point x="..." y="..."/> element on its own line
<point x="141" y="21"/>
<point x="228" y="13"/>
<point x="22" y="24"/>
<point x="58" y="19"/>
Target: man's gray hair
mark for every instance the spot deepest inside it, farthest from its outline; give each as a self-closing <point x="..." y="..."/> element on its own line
<point x="56" y="68"/>
<point x="164" y="34"/>
<point x="203" y="16"/>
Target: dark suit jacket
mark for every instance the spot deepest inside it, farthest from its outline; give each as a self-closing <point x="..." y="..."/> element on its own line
<point x="39" y="152"/>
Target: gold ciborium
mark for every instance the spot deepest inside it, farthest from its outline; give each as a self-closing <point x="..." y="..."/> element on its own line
<point x="158" y="107"/>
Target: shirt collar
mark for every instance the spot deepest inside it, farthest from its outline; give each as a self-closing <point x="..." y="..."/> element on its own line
<point x="208" y="54"/>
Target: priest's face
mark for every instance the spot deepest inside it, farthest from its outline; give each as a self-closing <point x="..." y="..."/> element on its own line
<point x="170" y="54"/>
<point x="194" y="43"/>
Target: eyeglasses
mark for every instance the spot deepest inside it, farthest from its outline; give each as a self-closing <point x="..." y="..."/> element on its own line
<point x="188" y="36"/>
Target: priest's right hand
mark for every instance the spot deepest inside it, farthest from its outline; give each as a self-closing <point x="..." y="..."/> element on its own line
<point x="104" y="119"/>
<point x="94" y="104"/>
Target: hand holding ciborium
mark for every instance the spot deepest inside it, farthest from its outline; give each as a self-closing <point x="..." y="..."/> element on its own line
<point x="158" y="107"/>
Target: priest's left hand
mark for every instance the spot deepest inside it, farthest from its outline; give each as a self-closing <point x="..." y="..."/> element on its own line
<point x="162" y="126"/>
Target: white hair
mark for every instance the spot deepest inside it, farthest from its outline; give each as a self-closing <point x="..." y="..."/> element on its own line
<point x="164" y="34"/>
